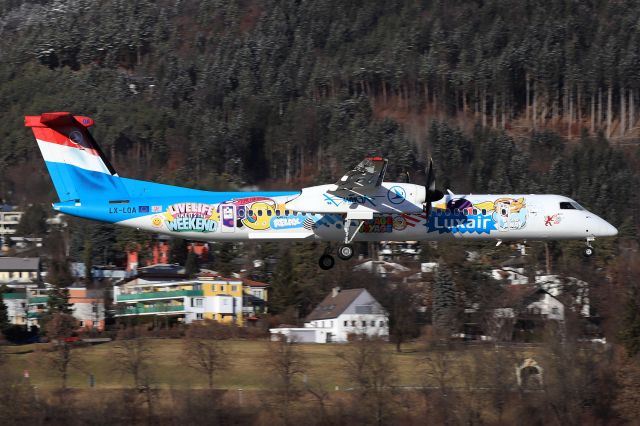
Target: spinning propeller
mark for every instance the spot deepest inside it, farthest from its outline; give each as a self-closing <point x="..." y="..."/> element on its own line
<point x="433" y="194"/>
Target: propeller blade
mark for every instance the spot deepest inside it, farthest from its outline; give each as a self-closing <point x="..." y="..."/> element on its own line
<point x="432" y="193"/>
<point x="431" y="177"/>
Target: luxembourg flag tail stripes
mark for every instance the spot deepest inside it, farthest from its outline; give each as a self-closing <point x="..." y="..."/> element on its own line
<point x="77" y="165"/>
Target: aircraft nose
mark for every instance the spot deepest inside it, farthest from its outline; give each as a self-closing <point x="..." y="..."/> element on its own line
<point x="605" y="229"/>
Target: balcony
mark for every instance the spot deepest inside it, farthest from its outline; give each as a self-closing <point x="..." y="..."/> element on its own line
<point x="157" y="308"/>
<point x="158" y="295"/>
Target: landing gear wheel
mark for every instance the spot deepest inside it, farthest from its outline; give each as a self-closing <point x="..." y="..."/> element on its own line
<point x="345" y="251"/>
<point x="326" y="262"/>
<point x="588" y="251"/>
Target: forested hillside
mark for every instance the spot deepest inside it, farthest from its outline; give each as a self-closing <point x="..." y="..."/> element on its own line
<point x="506" y="95"/>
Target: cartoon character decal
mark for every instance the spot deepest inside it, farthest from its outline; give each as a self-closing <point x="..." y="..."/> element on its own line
<point x="510" y="214"/>
<point x="259" y="215"/>
<point x="189" y="217"/>
<point x="460" y="215"/>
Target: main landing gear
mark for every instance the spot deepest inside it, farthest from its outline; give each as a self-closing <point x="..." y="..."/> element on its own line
<point x="589" y="250"/>
<point x="344" y="252"/>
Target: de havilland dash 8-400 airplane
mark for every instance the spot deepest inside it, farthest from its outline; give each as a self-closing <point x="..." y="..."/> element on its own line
<point x="360" y="206"/>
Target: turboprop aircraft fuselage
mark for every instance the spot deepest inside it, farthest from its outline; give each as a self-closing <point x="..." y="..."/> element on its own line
<point x="271" y="216"/>
<point x="360" y="206"/>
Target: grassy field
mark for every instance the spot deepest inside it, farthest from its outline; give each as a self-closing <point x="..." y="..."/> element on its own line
<point x="247" y="371"/>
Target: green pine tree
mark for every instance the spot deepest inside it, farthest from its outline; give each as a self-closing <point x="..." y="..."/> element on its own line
<point x="445" y="306"/>
<point x="224" y="254"/>
<point x="284" y="290"/>
<point x="59" y="276"/>
<point x="191" y="265"/>
<point x="58" y="301"/>
<point x="178" y="251"/>
<point x="4" y="316"/>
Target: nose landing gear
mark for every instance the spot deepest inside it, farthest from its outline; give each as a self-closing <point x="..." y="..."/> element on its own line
<point x="589" y="250"/>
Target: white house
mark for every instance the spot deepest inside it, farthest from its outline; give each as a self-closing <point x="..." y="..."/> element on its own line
<point x="17" y="307"/>
<point x="19" y="272"/>
<point x="535" y="302"/>
<point x="341" y="313"/>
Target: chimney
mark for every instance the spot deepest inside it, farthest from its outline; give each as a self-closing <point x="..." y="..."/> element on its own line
<point x="335" y="291"/>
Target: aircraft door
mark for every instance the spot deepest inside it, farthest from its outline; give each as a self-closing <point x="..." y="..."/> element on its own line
<point x="228" y="216"/>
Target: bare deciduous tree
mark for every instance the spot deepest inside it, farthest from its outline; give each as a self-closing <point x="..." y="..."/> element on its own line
<point x="368" y="364"/>
<point x="133" y="356"/>
<point x="286" y="365"/>
<point x="438" y="370"/>
<point x="59" y="354"/>
<point x="204" y="349"/>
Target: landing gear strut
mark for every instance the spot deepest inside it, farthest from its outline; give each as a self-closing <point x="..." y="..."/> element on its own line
<point x="588" y="251"/>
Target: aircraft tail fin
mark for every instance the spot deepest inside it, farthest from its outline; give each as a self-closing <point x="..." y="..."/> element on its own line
<point x="78" y="167"/>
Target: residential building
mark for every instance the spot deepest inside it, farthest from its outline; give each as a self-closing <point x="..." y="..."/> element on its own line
<point x="527" y="310"/>
<point x="382" y="268"/>
<point x="340" y="314"/>
<point x="159" y="252"/>
<point x="16" y="304"/>
<point x="9" y="220"/>
<point x="99" y="272"/>
<point x="164" y="290"/>
<point x="26" y="307"/>
<point x="255" y="298"/>
<point x="88" y="307"/>
<point x="19" y="272"/>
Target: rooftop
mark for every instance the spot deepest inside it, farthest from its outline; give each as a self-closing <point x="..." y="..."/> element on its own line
<point x="335" y="304"/>
<point x="11" y="264"/>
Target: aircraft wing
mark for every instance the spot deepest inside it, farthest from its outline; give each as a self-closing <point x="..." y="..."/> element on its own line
<point x="362" y="179"/>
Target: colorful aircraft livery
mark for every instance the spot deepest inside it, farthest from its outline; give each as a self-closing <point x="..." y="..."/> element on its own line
<point x="360" y="206"/>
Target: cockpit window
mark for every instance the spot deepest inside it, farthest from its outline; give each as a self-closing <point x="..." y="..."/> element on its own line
<point x="565" y="205"/>
<point x="570" y="205"/>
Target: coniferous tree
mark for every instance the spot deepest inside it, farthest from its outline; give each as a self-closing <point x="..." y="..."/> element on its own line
<point x="59" y="276"/>
<point x="445" y="306"/>
<point x="33" y="222"/>
<point x="191" y="265"/>
<point x="4" y="316"/>
<point x="284" y="289"/>
<point x="178" y="251"/>
<point x="224" y="254"/>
